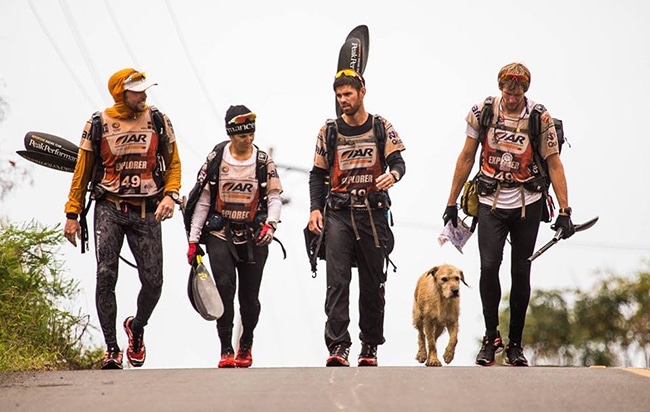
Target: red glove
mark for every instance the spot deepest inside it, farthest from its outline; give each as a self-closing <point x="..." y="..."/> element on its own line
<point x="266" y="235"/>
<point x="192" y="251"/>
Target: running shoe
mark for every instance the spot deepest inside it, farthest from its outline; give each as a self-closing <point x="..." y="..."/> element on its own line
<point x="368" y="355"/>
<point x="515" y="355"/>
<point x="136" y="352"/>
<point x="244" y="357"/>
<point x="489" y="348"/>
<point x="338" y="356"/>
<point x="227" y="359"/>
<point x="112" y="360"/>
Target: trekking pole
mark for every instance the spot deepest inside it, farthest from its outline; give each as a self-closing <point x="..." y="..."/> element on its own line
<point x="558" y="236"/>
<point x="547" y="246"/>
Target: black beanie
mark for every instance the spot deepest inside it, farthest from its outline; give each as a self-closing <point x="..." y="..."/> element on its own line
<point x="240" y="120"/>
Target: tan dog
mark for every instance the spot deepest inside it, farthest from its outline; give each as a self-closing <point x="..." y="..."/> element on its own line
<point x="436" y="307"/>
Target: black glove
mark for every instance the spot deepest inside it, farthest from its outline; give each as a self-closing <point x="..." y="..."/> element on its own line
<point x="564" y="222"/>
<point x="451" y="213"/>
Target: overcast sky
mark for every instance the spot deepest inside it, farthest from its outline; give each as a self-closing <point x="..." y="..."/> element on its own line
<point x="590" y="66"/>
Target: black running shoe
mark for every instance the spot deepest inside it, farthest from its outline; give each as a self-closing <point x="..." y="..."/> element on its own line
<point x="489" y="348"/>
<point x="112" y="360"/>
<point x="515" y="355"/>
<point x="338" y="356"/>
<point x="368" y="355"/>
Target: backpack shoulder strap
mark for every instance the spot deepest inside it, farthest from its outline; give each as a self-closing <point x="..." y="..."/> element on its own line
<point x="379" y="130"/>
<point x="261" y="173"/>
<point x="96" y="132"/>
<point x="211" y="174"/>
<point x="485" y="119"/>
<point x="159" y="126"/>
<point x="535" y="124"/>
<point x="331" y="136"/>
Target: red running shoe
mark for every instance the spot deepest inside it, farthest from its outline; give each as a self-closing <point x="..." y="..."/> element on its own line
<point x="244" y="357"/>
<point x="136" y="352"/>
<point x="338" y="356"/>
<point x="227" y="359"/>
<point x="368" y="355"/>
<point x="112" y="360"/>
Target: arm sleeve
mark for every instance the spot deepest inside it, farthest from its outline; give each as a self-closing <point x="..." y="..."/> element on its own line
<point x="396" y="163"/>
<point x="200" y="215"/>
<point x="82" y="173"/>
<point x="317" y="188"/>
<point x="274" y="204"/>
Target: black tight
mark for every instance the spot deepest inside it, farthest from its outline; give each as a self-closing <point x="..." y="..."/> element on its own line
<point x="493" y="228"/>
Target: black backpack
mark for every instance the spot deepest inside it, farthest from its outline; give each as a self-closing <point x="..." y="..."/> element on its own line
<point x="314" y="244"/>
<point x="534" y="132"/>
<point x="96" y="133"/>
<point x="212" y="176"/>
<point x="379" y="131"/>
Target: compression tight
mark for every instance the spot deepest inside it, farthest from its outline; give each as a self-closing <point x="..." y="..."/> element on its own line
<point x="225" y="270"/>
<point x="145" y="241"/>
<point x="493" y="228"/>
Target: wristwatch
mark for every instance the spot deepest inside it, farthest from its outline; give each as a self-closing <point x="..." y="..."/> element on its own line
<point x="566" y="211"/>
<point x="174" y="195"/>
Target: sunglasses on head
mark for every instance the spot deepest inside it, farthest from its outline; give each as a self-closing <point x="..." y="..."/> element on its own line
<point x="519" y="78"/>
<point x="350" y="73"/>
<point x="243" y="118"/>
<point x="136" y="76"/>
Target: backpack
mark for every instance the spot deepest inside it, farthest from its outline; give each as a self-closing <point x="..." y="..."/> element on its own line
<point x="315" y="244"/>
<point x="212" y="176"/>
<point x="379" y="130"/>
<point x="96" y="134"/>
<point x="534" y="132"/>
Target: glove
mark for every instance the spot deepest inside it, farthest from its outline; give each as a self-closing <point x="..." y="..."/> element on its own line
<point x="451" y="213"/>
<point x="265" y="235"/>
<point x="192" y="251"/>
<point x="564" y="222"/>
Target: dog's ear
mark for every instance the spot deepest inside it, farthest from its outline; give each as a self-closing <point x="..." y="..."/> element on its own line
<point x="432" y="271"/>
<point x="462" y="278"/>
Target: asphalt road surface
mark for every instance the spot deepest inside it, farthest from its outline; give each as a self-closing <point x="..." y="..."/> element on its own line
<point x="330" y="389"/>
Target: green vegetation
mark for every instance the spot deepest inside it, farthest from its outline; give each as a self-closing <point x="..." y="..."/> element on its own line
<point x="607" y="325"/>
<point x="35" y="333"/>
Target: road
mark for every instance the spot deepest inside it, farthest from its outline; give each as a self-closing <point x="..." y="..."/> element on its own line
<point x="329" y="389"/>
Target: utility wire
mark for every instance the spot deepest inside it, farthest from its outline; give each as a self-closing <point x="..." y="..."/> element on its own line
<point x="82" y="47"/>
<point x="120" y="32"/>
<point x="70" y="70"/>
<point x="190" y="60"/>
<point x="134" y="59"/>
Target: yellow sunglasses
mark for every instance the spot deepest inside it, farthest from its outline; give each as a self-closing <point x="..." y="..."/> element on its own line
<point x="350" y="73"/>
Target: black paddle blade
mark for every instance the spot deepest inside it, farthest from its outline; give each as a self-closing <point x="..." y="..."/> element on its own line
<point x="50" y="151"/>
<point x="51" y="161"/>
<point x="363" y="37"/>
<point x="354" y="54"/>
<point x="51" y="144"/>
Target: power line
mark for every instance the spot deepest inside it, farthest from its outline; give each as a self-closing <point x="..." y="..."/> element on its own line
<point x="82" y="46"/>
<point x="120" y="32"/>
<point x="190" y="60"/>
<point x="61" y="56"/>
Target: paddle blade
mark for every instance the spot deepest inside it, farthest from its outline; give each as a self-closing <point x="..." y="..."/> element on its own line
<point x="203" y="293"/>
<point x="44" y="159"/>
<point x="361" y="34"/>
<point x="353" y="54"/>
<point x="52" y="145"/>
